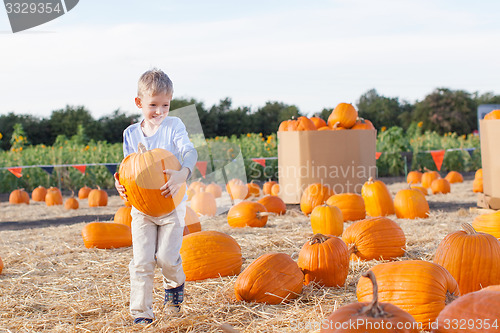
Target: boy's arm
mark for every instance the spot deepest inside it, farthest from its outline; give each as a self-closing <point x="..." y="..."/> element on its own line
<point x="188" y="153"/>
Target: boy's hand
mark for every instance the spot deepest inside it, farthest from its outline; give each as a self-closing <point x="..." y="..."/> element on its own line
<point x="119" y="187"/>
<point x="175" y="181"/>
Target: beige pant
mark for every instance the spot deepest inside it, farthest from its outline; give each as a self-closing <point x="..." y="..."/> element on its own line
<point x="156" y="240"/>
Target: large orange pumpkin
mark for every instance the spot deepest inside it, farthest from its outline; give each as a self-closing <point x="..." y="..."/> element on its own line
<point x="351" y="205"/>
<point x="83" y="193"/>
<point x="273" y="204"/>
<point x="71" y="202"/>
<point x="454" y="177"/>
<point x="192" y="221"/>
<point x="204" y="203"/>
<point x="53" y="197"/>
<point x="106" y="235"/>
<point x="327" y="220"/>
<point x="345" y="114"/>
<point x="39" y="193"/>
<point x="123" y="216"/>
<point x="428" y="177"/>
<point x="247" y="213"/>
<point x="210" y="254"/>
<point x="495" y="114"/>
<point x="98" y="198"/>
<point x="375" y="238"/>
<point x="414" y="177"/>
<point x="19" y="196"/>
<point x="266" y="188"/>
<point x="411" y="204"/>
<point x="378" y="199"/>
<point x="472" y="258"/>
<point x="418" y="287"/>
<point x="488" y="223"/>
<point x="272" y="278"/>
<point x="237" y="189"/>
<point x="324" y="260"/>
<point x="142" y="175"/>
<point x="370" y="317"/>
<point x="440" y="185"/>
<point x="475" y="312"/>
<point x="477" y="185"/>
<point x="314" y="195"/>
<point x="215" y="189"/>
<point x="253" y="190"/>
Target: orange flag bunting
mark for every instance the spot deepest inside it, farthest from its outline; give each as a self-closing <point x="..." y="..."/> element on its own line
<point x="80" y="168"/>
<point x="261" y="161"/>
<point x="438" y="156"/>
<point x="202" y="166"/>
<point x="377" y="155"/>
<point x="16" y="172"/>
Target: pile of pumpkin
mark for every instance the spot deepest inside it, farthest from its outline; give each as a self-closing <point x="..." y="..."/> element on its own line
<point x="53" y="197"/>
<point x="343" y="116"/>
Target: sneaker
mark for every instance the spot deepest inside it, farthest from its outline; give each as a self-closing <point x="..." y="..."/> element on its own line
<point x="141" y="320"/>
<point x="174" y="298"/>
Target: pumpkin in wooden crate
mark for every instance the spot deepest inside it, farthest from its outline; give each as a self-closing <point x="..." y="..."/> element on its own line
<point x="472" y="258"/>
<point x="247" y="213"/>
<point x="142" y="175"/>
<point x="370" y="317"/>
<point x="345" y="114"/>
<point x="411" y="204"/>
<point x="192" y="221"/>
<point x="495" y="114"/>
<point x="375" y="238"/>
<point x="84" y="191"/>
<point x="454" y="177"/>
<point x="363" y="124"/>
<point x="428" y="177"/>
<point x="314" y="195"/>
<point x="318" y="122"/>
<point x="215" y="189"/>
<point x="38" y="194"/>
<point x="378" y="199"/>
<point x="71" y="202"/>
<point x="204" y="203"/>
<point x="324" y="259"/>
<point x="475" y="312"/>
<point x="123" y="216"/>
<point x="273" y="204"/>
<point x="53" y="197"/>
<point x="210" y="254"/>
<point x="418" y="287"/>
<point x="19" y="196"/>
<point x="106" y="235"/>
<point x="488" y="223"/>
<point x="414" y="177"/>
<point x="272" y="278"/>
<point x="351" y="205"/>
<point x="327" y="220"/>
<point x="98" y="198"/>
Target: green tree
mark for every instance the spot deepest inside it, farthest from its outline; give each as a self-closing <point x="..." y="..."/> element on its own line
<point x="380" y="110"/>
<point x="65" y="121"/>
<point x="267" y="119"/>
<point x="446" y="110"/>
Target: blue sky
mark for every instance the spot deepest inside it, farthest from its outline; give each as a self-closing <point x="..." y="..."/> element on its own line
<point x="312" y="54"/>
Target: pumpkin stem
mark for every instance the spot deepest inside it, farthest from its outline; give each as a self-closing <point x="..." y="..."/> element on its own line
<point x="352" y="249"/>
<point x="450" y="297"/>
<point x="262" y="214"/>
<point x="336" y="125"/>
<point x="469" y="229"/>
<point x="318" y="238"/>
<point x="373" y="309"/>
<point x="370" y="180"/>
<point x="141" y="148"/>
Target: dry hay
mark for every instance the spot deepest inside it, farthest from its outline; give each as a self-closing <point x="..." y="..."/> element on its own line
<point x="52" y="283"/>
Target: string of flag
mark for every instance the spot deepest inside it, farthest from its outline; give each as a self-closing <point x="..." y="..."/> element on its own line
<point x="437" y="156"/>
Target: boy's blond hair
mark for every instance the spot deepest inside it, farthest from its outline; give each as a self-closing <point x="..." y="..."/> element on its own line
<point x="154" y="82"/>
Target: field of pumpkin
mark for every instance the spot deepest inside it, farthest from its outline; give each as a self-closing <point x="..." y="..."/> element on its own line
<point x="265" y="274"/>
<point x="405" y="255"/>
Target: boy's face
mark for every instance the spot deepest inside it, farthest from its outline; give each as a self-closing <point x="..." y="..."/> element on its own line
<point x="154" y="108"/>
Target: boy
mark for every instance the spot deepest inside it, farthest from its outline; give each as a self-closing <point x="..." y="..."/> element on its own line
<point x="157" y="240"/>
